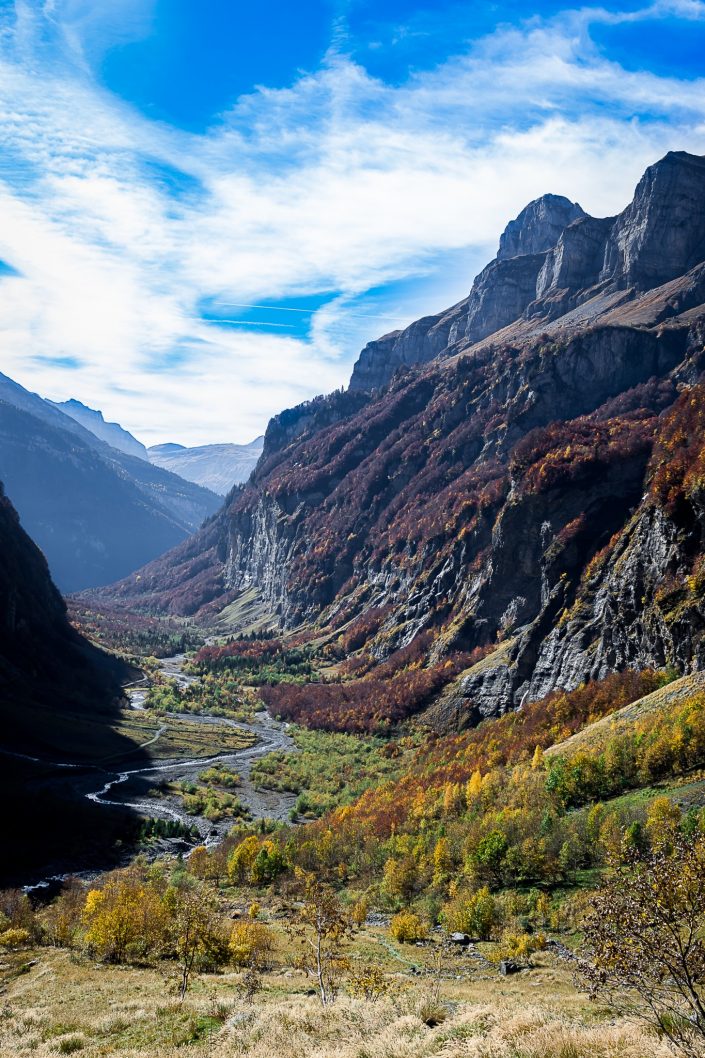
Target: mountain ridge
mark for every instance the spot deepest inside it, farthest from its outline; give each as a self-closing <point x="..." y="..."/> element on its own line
<point x="111" y="432"/>
<point x="480" y="487"/>
<point x="217" y="467"/>
<point x="591" y="258"/>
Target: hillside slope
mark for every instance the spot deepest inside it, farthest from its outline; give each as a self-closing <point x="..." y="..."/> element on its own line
<point x="42" y="658"/>
<point x="53" y="684"/>
<point x="96" y="512"/>
<point x="596" y="736"/>
<point x="531" y="474"/>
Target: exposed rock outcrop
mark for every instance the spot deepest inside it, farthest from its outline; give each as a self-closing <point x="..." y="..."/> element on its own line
<point x="661" y="233"/>
<point x="499" y="295"/>
<point x="553" y="258"/>
<point x="533" y="484"/>
<point x="424" y="340"/>
<point x="538" y="227"/>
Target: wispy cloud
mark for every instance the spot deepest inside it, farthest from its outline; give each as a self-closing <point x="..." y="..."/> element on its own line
<point x="118" y="228"/>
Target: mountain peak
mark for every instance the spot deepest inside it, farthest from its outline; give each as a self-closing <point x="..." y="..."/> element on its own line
<point x="661" y="233"/>
<point x="215" y="466"/>
<point x="493" y="500"/>
<point x="538" y="227"/>
<point x="168" y="446"/>
<point x="110" y="432"/>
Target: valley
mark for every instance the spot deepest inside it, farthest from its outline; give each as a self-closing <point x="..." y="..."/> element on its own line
<point x="402" y="750"/>
<point x="186" y="746"/>
<point x="180" y="750"/>
<point x="480" y="836"/>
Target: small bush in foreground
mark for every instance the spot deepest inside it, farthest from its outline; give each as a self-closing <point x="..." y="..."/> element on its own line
<point x="251" y="945"/>
<point x="14" y="938"/>
<point x="407" y="928"/>
<point x="367" y="981"/>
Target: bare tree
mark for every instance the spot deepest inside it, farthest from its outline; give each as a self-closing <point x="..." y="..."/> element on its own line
<point x="323" y="926"/>
<point x="645" y="935"/>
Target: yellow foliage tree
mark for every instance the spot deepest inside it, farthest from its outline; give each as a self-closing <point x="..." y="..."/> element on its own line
<point x="476" y="913"/>
<point x="474" y="787"/>
<point x="400" y="877"/>
<point x="452" y="799"/>
<point x="324" y="926"/>
<point x="662" y="821"/>
<point x="441" y="862"/>
<point x="195" y="930"/>
<point x="242" y="858"/>
<point x="125" y="918"/>
<point x="251" y="945"/>
<point x="360" y="911"/>
<point x="407" y="927"/>
<point x="199" y="862"/>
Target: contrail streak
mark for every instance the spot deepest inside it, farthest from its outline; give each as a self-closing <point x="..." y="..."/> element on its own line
<point x="289" y="308"/>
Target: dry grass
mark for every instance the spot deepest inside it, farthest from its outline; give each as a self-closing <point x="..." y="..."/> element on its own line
<point x="62" y="1005"/>
<point x="181" y="737"/>
<point x="595" y="736"/>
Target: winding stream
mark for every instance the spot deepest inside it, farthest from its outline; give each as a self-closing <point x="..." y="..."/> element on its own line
<point x="269" y="734"/>
<point x="125" y="788"/>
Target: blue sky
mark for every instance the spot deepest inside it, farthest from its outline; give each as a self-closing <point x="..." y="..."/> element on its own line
<point x="209" y="207"/>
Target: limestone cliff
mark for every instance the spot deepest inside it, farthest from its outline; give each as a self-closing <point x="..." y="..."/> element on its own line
<point x="519" y="475"/>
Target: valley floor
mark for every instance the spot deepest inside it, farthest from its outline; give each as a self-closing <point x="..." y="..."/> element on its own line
<point x="499" y="832"/>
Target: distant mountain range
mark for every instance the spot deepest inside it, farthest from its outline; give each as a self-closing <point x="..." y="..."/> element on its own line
<point x="95" y="499"/>
<point x="96" y="512"/>
<point x="216" y="467"/>
<point x="110" y="432"/>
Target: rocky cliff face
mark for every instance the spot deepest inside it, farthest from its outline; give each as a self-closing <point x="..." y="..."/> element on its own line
<point x="499" y="295"/>
<point x="553" y="258"/>
<point x="528" y="487"/>
<point x="538" y="227"/>
<point x="661" y="234"/>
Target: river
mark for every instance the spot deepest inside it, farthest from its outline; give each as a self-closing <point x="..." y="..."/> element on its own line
<point x="269" y="734"/>
<point x="135" y="787"/>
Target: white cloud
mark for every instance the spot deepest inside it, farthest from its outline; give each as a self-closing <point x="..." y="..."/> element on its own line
<point x="338" y="183"/>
